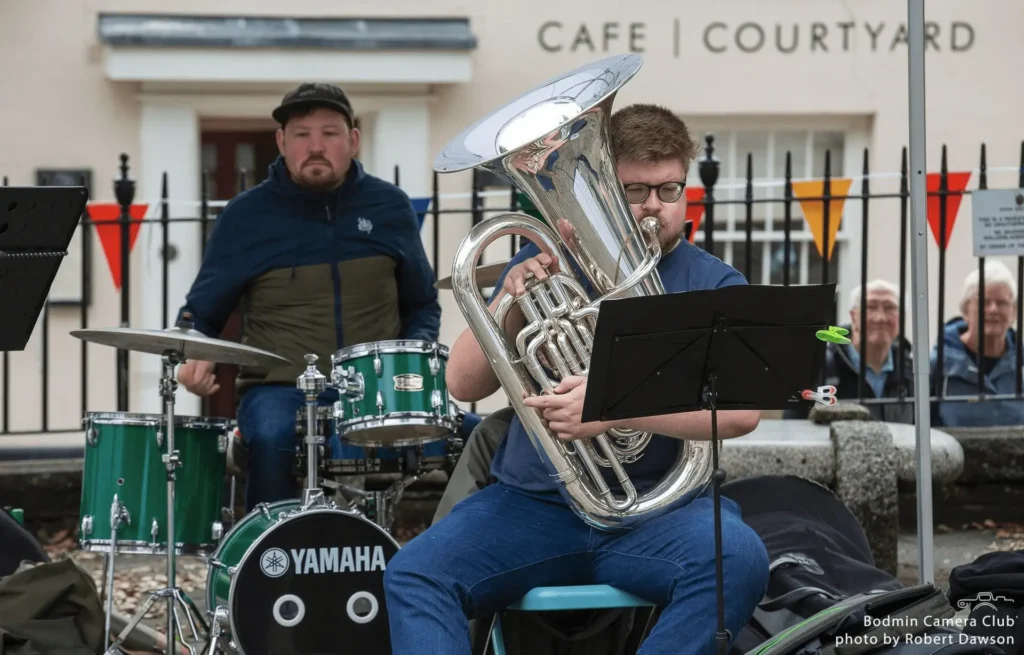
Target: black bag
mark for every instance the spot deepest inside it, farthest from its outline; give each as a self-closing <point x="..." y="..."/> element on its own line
<point x="17" y="545"/>
<point x="908" y="621"/>
<point x="576" y="632"/>
<point x="992" y="587"/>
<point x="818" y="553"/>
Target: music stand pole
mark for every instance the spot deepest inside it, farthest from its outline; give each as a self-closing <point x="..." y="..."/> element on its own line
<point x="919" y="286"/>
<point x="737" y="348"/>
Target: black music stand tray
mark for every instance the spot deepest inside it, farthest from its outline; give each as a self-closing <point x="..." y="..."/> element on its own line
<point x="36" y="226"/>
<point x="738" y="347"/>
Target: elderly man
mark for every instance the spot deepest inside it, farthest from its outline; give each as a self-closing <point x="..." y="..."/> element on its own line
<point x="881" y="353"/>
<point x="960" y="366"/>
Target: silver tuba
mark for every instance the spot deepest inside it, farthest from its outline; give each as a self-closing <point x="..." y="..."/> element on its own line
<point x="553" y="144"/>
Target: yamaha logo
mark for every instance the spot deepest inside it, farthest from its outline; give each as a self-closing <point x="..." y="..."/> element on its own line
<point x="274" y="563"/>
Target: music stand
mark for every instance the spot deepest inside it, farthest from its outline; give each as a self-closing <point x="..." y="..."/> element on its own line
<point x="738" y="347"/>
<point x="36" y="226"/>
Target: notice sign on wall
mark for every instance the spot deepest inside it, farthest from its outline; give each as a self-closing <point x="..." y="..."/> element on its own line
<point x="998" y="217"/>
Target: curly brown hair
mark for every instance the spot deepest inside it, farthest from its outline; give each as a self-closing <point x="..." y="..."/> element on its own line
<point x="651" y="133"/>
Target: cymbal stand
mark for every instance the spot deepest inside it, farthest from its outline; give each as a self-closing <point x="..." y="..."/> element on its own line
<point x="173" y="594"/>
<point x="312" y="382"/>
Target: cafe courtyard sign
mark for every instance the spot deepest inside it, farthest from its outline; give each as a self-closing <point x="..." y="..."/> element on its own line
<point x="750" y="37"/>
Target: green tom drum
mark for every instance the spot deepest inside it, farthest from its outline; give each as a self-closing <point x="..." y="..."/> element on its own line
<point x="393" y="394"/>
<point x="296" y="580"/>
<point x="124" y="483"/>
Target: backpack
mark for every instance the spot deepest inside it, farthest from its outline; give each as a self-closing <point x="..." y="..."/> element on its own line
<point x="17" y="545"/>
<point x="818" y="553"/>
<point x="992" y="588"/>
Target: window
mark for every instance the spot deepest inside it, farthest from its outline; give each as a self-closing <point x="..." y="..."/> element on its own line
<point x="767" y="150"/>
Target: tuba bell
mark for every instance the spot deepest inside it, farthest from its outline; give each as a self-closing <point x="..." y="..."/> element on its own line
<point x="553" y="144"/>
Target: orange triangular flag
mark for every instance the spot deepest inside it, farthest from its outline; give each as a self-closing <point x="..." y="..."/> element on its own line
<point x="956" y="183"/>
<point x="694" y="208"/>
<point x="810" y="193"/>
<point x="110" y="233"/>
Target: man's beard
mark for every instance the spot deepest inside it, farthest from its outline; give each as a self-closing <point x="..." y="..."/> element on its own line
<point x="326" y="181"/>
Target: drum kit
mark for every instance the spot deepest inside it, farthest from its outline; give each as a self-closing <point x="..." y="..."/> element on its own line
<point x="284" y="577"/>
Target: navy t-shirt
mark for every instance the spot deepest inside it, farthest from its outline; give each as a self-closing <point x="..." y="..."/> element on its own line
<point x="518" y="464"/>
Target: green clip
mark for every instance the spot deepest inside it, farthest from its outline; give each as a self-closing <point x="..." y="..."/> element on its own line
<point x="834" y="334"/>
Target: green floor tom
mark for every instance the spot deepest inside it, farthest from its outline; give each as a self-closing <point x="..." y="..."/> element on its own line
<point x="393" y="394"/>
<point x="124" y="483"/>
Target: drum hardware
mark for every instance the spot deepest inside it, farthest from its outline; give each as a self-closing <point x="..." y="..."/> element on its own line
<point x="175" y="346"/>
<point x="312" y="383"/>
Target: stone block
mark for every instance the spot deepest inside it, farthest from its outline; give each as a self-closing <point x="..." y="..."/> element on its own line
<point x="865" y="480"/>
<point x="841" y="411"/>
<point x="947" y="454"/>
<point x="991" y="454"/>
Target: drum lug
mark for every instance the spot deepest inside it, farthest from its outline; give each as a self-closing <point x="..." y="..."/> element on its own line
<point x="378" y="366"/>
<point x="160" y="438"/>
<point x="435" y="398"/>
<point x="87" y="524"/>
<point x="91" y="435"/>
<point x="380" y="405"/>
<point x="217" y="530"/>
<point x="222" y="442"/>
<point x="435" y="365"/>
<point x="339" y="410"/>
<point x="154" y="530"/>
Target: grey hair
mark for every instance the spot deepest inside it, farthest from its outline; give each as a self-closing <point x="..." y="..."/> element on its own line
<point x="996" y="272"/>
<point x="874" y="285"/>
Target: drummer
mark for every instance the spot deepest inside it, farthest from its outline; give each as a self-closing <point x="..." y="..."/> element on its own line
<point x="319" y="256"/>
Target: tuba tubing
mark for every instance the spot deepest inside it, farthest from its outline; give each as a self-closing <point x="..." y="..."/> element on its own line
<point x="560" y="321"/>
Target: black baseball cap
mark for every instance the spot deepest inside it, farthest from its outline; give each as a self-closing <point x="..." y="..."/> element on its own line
<point x="310" y="95"/>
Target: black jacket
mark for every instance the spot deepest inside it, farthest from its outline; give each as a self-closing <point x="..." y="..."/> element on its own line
<point x="840" y="372"/>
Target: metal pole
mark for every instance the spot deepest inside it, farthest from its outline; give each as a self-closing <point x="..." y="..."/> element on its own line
<point x="919" y="286"/>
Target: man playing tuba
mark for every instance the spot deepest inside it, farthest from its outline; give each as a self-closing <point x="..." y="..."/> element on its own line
<point x="519" y="533"/>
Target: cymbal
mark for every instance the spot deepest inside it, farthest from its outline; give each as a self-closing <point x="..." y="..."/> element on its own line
<point x="486" y="276"/>
<point x="191" y="344"/>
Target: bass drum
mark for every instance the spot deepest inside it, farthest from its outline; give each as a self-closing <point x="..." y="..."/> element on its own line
<point x="303" y="581"/>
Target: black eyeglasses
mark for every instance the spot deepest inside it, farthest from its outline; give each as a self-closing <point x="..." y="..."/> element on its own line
<point x="667" y="191"/>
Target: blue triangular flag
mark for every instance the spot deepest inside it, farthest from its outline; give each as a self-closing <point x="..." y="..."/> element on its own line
<point x="420" y="206"/>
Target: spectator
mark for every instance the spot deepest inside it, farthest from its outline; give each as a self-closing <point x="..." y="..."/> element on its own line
<point x="883" y="380"/>
<point x="959" y="374"/>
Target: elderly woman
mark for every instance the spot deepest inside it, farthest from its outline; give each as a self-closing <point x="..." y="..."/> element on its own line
<point x="960" y="369"/>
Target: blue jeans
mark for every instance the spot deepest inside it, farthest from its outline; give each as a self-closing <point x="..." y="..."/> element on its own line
<point x="267" y="418"/>
<point x="499" y="543"/>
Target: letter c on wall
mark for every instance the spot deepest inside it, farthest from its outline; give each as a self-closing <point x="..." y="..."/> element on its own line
<point x="540" y="35"/>
<point x="707" y="34"/>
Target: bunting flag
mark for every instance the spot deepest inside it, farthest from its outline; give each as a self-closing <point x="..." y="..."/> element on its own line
<point x="809" y="193"/>
<point x="110" y="233"/>
<point x="420" y="206"/>
<point x="956" y="183"/>
<point x="694" y="211"/>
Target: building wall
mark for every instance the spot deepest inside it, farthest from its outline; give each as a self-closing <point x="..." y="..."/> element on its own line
<point x="61" y="110"/>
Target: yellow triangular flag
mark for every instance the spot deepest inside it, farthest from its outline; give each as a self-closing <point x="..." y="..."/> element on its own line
<point x="809" y="193"/>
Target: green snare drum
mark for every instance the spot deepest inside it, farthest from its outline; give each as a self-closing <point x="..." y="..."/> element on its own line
<point x="302" y="581"/>
<point x="125" y="482"/>
<point x="393" y="393"/>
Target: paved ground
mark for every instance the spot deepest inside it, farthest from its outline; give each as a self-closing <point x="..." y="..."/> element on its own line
<point x="136" y="575"/>
<point x="952" y="548"/>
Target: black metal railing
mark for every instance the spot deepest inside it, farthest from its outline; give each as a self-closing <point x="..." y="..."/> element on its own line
<point x="474" y="205"/>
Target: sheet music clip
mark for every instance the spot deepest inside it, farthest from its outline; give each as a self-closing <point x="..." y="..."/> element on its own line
<point x="36" y="226"/>
<point x="738" y="347"/>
